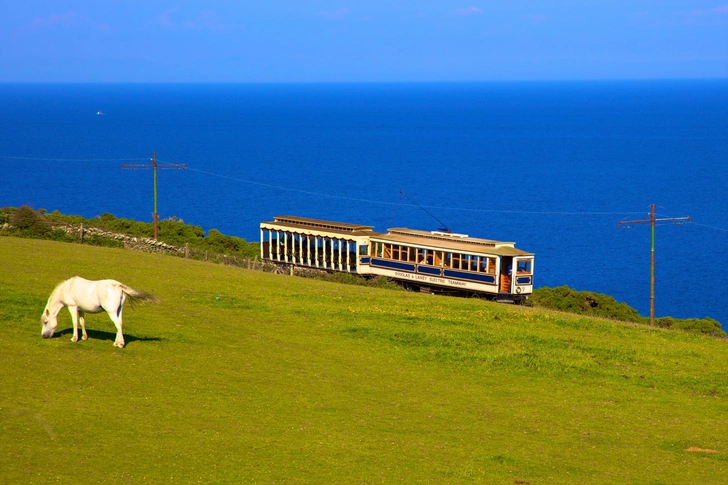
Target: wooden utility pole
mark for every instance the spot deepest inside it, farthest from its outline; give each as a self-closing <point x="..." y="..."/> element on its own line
<point x="651" y="221"/>
<point x="153" y="165"/>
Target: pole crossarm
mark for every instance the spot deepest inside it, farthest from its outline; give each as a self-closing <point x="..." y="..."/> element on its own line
<point x="153" y="165"/>
<point x="657" y="219"/>
<point x="150" y="166"/>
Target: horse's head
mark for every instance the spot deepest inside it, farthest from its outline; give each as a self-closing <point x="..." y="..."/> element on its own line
<point x="49" y="323"/>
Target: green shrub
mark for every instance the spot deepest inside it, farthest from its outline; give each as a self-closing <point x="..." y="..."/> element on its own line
<point x="61" y="236"/>
<point x="693" y="325"/>
<point x="97" y="240"/>
<point x="30" y="223"/>
<point x="565" y="299"/>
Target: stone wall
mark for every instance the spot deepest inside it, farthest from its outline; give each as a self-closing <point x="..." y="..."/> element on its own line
<point x="130" y="242"/>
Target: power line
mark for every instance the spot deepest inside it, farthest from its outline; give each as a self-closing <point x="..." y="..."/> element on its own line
<point x="355" y="199"/>
<point x="74" y="159"/>
<point x="710" y="227"/>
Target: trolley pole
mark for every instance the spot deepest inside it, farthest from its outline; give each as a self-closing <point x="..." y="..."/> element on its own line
<point x="153" y="165"/>
<point x="651" y="221"/>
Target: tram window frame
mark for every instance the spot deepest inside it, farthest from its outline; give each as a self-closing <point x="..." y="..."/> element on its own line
<point x="465" y="262"/>
<point x="527" y="266"/>
<point x="387" y="252"/>
<point x="363" y="250"/>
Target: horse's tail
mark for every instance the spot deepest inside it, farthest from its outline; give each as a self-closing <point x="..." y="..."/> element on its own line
<point x="136" y="296"/>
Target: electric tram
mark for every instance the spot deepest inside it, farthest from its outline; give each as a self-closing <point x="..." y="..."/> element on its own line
<point x="430" y="262"/>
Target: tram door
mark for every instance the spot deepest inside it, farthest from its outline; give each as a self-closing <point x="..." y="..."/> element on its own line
<point x="506" y="274"/>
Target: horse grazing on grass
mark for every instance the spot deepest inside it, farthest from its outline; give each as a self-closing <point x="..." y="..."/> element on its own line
<point x="83" y="296"/>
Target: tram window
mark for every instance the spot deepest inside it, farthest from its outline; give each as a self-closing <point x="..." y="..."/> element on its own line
<point x="524" y="267"/>
<point x="483" y="266"/>
<point x="447" y="262"/>
<point x="387" y="250"/>
<point x="395" y="251"/>
<point x="465" y="263"/>
<point x="456" y="261"/>
<point x="364" y="250"/>
<point x="438" y="258"/>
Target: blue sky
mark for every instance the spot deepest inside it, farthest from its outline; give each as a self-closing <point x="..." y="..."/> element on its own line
<point x="360" y="41"/>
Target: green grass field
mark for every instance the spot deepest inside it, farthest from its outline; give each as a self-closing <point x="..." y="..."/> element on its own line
<point x="290" y="380"/>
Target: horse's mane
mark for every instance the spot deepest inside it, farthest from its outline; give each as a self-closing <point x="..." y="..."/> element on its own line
<point x="57" y="288"/>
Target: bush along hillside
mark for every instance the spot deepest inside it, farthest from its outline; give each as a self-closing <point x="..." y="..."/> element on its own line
<point x="26" y="222"/>
<point x="565" y="299"/>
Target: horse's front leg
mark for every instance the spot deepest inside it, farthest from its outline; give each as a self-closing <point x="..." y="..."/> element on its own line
<point x="82" y="321"/>
<point x="73" y="310"/>
<point x="119" y="342"/>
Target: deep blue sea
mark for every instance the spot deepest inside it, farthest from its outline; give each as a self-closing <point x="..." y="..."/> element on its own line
<point x="552" y="166"/>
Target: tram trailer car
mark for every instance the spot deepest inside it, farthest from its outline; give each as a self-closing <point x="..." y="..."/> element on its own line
<point x="437" y="262"/>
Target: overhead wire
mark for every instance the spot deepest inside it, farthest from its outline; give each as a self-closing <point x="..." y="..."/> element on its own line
<point x="356" y="199"/>
<point x="74" y="159"/>
<point x="353" y="199"/>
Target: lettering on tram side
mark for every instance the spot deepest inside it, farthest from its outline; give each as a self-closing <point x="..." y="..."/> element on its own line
<point x="410" y="276"/>
<point x="429" y="279"/>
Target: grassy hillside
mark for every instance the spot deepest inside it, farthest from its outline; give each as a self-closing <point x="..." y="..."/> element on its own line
<point x="289" y="380"/>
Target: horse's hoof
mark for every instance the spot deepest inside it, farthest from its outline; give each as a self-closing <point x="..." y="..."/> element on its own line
<point x="74" y="339"/>
<point x="119" y="344"/>
<point x="85" y="337"/>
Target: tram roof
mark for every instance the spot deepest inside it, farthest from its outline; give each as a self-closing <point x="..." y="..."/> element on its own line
<point x="413" y="237"/>
<point x="322" y="225"/>
<point x="458" y="242"/>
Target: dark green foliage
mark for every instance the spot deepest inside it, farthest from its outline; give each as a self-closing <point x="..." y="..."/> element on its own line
<point x="565" y="299"/>
<point x="97" y="240"/>
<point x="216" y="241"/>
<point x="61" y="236"/>
<point x="172" y="231"/>
<point x="694" y="325"/>
<point x="29" y="223"/>
<point x="5" y="215"/>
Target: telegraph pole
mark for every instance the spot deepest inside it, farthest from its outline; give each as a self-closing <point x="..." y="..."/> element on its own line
<point x="153" y="165"/>
<point x="651" y="221"/>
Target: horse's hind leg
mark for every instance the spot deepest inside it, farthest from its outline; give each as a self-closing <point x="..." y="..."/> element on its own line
<point x="82" y="321"/>
<point x="116" y="318"/>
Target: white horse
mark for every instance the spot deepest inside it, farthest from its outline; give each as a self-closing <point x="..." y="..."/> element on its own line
<point x="81" y="296"/>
